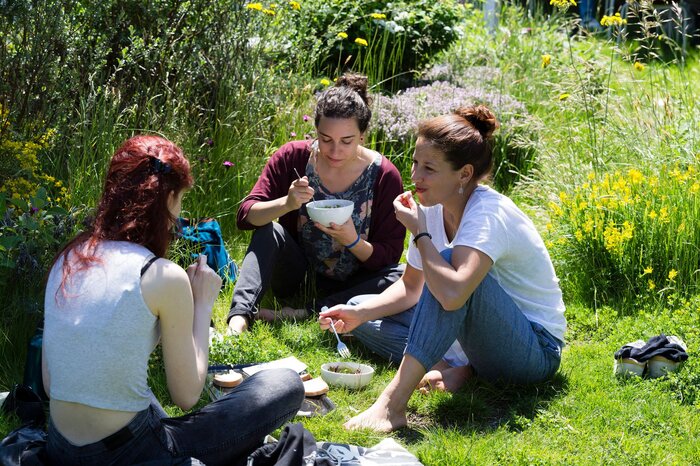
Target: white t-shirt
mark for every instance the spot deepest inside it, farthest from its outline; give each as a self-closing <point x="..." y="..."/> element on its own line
<point x="494" y="225"/>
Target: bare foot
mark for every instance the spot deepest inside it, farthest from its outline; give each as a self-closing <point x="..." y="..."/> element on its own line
<point x="286" y="313"/>
<point x="237" y="325"/>
<point x="448" y="379"/>
<point x="378" y="417"/>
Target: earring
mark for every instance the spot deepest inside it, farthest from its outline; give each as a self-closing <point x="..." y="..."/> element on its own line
<point x="461" y="189"/>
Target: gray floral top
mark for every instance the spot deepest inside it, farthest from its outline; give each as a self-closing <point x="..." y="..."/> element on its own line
<point x="327" y="256"/>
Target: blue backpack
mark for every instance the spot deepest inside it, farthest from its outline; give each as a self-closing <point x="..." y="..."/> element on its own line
<point x="206" y="234"/>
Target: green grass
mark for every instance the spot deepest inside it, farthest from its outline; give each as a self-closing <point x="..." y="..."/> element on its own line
<point x="611" y="121"/>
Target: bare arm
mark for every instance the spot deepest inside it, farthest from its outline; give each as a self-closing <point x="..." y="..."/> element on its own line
<point x="452" y="283"/>
<point x="45" y="372"/>
<point x="183" y="301"/>
<point x="400" y="296"/>
<point x="264" y="212"/>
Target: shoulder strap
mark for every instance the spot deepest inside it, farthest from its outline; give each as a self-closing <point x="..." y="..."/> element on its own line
<point x="148" y="264"/>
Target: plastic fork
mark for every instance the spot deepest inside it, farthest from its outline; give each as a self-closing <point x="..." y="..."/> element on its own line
<point x="343" y="349"/>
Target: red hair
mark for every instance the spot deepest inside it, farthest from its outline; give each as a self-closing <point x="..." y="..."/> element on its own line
<point x="142" y="174"/>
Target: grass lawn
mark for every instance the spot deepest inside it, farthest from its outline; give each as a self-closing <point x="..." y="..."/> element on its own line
<point x="595" y="110"/>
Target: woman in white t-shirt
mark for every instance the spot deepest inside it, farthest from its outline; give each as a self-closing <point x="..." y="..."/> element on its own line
<point x="489" y="281"/>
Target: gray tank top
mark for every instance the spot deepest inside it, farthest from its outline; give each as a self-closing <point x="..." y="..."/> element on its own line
<point x="99" y="335"/>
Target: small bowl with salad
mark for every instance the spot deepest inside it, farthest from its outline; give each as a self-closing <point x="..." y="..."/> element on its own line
<point x="347" y="374"/>
<point x="329" y="211"/>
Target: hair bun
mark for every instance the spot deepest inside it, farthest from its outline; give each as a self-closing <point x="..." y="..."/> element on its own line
<point x="357" y="83"/>
<point x="480" y="117"/>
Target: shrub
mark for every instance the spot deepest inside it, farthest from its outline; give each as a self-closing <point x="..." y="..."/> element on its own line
<point x="35" y="222"/>
<point x="629" y="235"/>
<point x="406" y="33"/>
<point x="396" y="118"/>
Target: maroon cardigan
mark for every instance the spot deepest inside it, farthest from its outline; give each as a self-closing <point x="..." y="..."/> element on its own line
<point x="385" y="232"/>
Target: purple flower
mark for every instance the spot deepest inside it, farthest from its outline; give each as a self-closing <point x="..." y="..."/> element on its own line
<point x="228" y="164"/>
<point x="209" y="142"/>
<point x="306" y="117"/>
<point x="293" y="134"/>
<point x="397" y="116"/>
<point x="33" y="210"/>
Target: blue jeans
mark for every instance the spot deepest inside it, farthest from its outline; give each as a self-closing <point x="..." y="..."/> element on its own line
<point x="501" y="344"/>
<point x="225" y="431"/>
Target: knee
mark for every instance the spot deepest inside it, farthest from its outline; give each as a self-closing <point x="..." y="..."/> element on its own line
<point x="283" y="385"/>
<point x="268" y="233"/>
<point x="355" y="300"/>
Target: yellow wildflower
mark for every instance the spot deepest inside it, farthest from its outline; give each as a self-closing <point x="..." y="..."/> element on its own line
<point x="635" y="176"/>
<point x="638" y="66"/>
<point x="651" y="285"/>
<point x="362" y="42"/>
<point x="648" y="270"/>
<point x="615" y="20"/>
<point x="269" y="12"/>
<point x="564" y="96"/>
<point x="579" y="236"/>
<point x="546" y="60"/>
<point x="295" y="5"/>
<point x="254" y="6"/>
<point x="672" y="274"/>
<point x="653" y="214"/>
<point x="562" y="5"/>
<point x="378" y="16"/>
<point x="343" y="35"/>
<point x="326" y="82"/>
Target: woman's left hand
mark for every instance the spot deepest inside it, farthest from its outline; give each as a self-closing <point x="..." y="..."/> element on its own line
<point x="344" y="234"/>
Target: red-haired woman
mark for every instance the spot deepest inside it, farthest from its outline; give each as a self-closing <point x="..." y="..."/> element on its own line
<point x="110" y="297"/>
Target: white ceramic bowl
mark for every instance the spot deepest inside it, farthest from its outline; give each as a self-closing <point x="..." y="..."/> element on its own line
<point x="360" y="376"/>
<point x="324" y="212"/>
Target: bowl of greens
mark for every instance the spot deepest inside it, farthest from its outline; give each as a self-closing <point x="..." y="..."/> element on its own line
<point x="347" y="374"/>
<point x="329" y="211"/>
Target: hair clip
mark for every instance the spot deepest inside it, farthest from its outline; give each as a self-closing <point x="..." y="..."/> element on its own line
<point x="158" y="166"/>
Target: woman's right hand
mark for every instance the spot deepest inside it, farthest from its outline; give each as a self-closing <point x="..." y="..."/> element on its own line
<point x="409" y="213"/>
<point x="299" y="193"/>
<point x="205" y="282"/>
<point x="345" y="318"/>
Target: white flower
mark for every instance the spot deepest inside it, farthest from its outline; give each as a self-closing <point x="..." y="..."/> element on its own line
<point x="393" y="27"/>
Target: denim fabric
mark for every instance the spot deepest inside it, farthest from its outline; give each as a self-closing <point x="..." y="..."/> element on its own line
<point x="386" y="337"/>
<point x="274" y="259"/>
<point x="501" y="344"/>
<point x="333" y="292"/>
<point x="223" y="432"/>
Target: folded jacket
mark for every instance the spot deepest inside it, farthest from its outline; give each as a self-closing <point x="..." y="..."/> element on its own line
<point x="671" y="348"/>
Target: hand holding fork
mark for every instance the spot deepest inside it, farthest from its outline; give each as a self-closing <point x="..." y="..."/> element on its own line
<point x="342" y="348"/>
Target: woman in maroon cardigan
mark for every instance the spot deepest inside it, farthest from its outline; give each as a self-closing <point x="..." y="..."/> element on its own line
<point x="358" y="257"/>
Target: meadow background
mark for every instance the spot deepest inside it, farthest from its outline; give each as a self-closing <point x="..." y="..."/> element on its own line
<point x="600" y="145"/>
